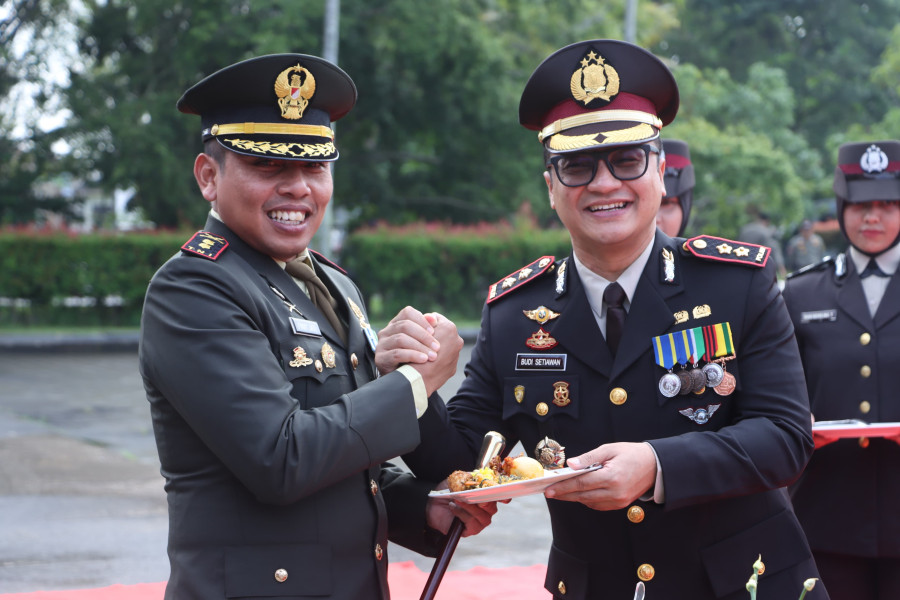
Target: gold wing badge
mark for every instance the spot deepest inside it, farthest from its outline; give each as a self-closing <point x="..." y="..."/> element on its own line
<point x="595" y="79"/>
<point x="294" y="87"/>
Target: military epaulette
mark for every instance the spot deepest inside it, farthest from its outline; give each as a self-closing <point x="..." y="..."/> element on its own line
<point x="321" y="258"/>
<point x="820" y="266"/>
<point x="722" y="250"/>
<point x="519" y="278"/>
<point x="206" y="245"/>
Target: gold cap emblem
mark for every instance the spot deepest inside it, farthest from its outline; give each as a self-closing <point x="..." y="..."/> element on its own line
<point x="595" y="79"/>
<point x="294" y="87"/>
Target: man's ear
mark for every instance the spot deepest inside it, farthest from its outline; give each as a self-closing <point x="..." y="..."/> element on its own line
<point x="548" y="179"/>
<point x="206" y="172"/>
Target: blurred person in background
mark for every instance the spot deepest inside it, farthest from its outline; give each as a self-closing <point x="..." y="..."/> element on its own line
<point x="805" y="248"/>
<point x="675" y="208"/>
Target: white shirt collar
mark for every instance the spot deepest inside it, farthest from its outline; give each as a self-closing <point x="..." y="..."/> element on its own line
<point x="595" y="284"/>
<point x="887" y="261"/>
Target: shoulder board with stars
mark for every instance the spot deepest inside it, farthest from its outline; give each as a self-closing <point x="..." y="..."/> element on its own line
<point x="723" y="250"/>
<point x="519" y="278"/>
<point x="820" y="266"/>
<point x="322" y="259"/>
<point x="206" y="244"/>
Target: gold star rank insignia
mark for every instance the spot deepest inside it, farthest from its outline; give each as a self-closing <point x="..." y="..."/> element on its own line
<point x="718" y="249"/>
<point x="529" y="272"/>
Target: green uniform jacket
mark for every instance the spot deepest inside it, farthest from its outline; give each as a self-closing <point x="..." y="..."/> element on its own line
<point x="273" y="467"/>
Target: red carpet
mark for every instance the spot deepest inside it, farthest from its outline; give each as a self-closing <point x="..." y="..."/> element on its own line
<point x="406" y="581"/>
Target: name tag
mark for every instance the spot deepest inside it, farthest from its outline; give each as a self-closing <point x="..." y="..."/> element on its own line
<point x="305" y="327"/>
<point x="817" y="316"/>
<point x="541" y="362"/>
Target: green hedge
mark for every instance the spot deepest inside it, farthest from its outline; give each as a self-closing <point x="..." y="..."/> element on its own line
<point x="104" y="275"/>
<point x="445" y="269"/>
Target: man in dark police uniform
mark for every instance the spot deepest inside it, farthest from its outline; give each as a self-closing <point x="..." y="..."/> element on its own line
<point x="847" y="314"/>
<point x="671" y="362"/>
<point x="259" y="364"/>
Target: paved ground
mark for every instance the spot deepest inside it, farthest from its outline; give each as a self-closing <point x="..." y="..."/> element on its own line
<point x="81" y="499"/>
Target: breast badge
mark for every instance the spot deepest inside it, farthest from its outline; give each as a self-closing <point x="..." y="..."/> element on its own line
<point x="300" y="358"/>
<point x="541" y="340"/>
<point x="700" y="416"/>
<point x="541" y="314"/>
<point x="561" y="393"/>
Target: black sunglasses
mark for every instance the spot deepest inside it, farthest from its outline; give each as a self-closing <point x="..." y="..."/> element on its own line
<point x="625" y="164"/>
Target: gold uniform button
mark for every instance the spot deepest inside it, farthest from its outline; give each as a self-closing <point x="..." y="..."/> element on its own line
<point x="865" y="407"/>
<point x="865" y="338"/>
<point x="863" y="442"/>
<point x="618" y="396"/>
<point x="542" y="408"/>
<point x="373" y="486"/>
<point x="379" y="553"/>
<point x="318" y="365"/>
<point x="354" y="361"/>
<point x="281" y="575"/>
<point x="699" y="244"/>
<point x="635" y="514"/>
<point x="646" y="572"/>
<point x="561" y="586"/>
<point x="865" y="370"/>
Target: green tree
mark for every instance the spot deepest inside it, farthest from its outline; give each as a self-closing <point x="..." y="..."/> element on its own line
<point x="826" y="50"/>
<point x="29" y="30"/>
<point x="435" y="133"/>
<point x="743" y="147"/>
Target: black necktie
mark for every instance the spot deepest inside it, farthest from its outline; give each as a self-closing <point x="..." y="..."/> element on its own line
<point x="318" y="293"/>
<point x="872" y="269"/>
<point x="614" y="297"/>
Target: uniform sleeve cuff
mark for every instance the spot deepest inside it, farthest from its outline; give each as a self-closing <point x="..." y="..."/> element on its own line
<point x="657" y="493"/>
<point x="418" y="388"/>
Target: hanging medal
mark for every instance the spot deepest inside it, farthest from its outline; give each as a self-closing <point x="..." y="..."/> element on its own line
<point x="664" y="353"/>
<point x="697" y="348"/>
<point x="681" y="345"/>
<point x="719" y="349"/>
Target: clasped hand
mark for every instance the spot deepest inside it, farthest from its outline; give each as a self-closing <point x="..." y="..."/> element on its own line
<point x="428" y="342"/>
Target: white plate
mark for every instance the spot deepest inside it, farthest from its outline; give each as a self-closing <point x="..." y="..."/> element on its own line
<point x="505" y="491"/>
<point x="855" y="428"/>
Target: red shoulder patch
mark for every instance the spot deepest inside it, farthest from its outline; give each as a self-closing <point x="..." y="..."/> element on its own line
<point x="518" y="278"/>
<point x="723" y="250"/>
<point x="206" y="244"/>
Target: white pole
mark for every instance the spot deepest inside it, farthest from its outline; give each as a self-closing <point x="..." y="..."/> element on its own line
<point x="631" y="21"/>
<point x="330" y="37"/>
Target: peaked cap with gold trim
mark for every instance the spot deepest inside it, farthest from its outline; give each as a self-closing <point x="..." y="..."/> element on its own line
<point x="278" y="105"/>
<point x="598" y="94"/>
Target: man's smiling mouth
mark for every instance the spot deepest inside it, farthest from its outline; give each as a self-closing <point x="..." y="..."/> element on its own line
<point x="604" y="207"/>
<point x="287" y="217"/>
